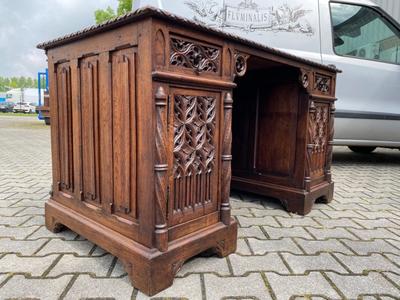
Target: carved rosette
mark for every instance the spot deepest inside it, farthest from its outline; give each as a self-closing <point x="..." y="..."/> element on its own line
<point x="322" y="83"/>
<point x="226" y="160"/>
<point x="160" y="169"/>
<point x="240" y="65"/>
<point x="194" y="150"/>
<point x="200" y="58"/>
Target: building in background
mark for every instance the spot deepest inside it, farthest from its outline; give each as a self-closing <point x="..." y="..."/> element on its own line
<point x="28" y="95"/>
<point x="392" y="7"/>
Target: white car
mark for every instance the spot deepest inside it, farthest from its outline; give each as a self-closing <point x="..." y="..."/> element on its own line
<point x="24" y="107"/>
<point x="356" y="36"/>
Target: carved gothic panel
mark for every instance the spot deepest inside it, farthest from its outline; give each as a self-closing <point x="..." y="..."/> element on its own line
<point x="322" y="83"/>
<point x="319" y="135"/>
<point x="89" y="92"/>
<point x="193" y="55"/>
<point x="65" y="136"/>
<point x="124" y="131"/>
<point x="194" y="152"/>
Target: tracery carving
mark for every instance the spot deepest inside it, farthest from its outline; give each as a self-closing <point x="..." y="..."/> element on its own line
<point x="194" y="150"/>
<point x="319" y="121"/>
<point x="322" y="83"/>
<point x="192" y="55"/>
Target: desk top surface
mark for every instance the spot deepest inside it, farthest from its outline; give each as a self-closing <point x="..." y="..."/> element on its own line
<point x="150" y="11"/>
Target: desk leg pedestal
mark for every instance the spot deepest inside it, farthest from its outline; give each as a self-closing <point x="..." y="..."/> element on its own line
<point x="150" y="270"/>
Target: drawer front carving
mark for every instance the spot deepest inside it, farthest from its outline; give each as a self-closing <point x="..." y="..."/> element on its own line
<point x="195" y="141"/>
<point x="65" y="133"/>
<point x="194" y="55"/>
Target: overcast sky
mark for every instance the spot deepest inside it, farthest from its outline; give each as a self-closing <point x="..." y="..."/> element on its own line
<point x="26" y="23"/>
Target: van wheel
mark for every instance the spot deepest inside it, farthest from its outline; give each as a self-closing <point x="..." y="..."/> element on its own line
<point x="362" y="149"/>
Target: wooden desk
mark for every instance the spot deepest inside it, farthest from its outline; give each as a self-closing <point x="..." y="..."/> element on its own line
<point x="141" y="132"/>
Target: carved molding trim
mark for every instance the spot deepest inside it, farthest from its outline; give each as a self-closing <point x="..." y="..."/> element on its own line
<point x="194" y="56"/>
<point x="240" y="65"/>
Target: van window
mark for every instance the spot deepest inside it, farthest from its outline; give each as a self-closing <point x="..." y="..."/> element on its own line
<point x="362" y="32"/>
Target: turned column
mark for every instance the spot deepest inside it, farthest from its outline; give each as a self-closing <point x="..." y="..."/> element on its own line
<point x="161" y="168"/>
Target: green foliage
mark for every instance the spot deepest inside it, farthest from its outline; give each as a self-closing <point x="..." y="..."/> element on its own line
<point x="8" y="83"/>
<point x="102" y="15"/>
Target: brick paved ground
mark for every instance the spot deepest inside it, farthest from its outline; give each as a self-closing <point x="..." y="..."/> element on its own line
<point x="346" y="250"/>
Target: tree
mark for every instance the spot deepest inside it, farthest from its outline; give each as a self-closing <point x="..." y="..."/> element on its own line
<point x="102" y="15"/>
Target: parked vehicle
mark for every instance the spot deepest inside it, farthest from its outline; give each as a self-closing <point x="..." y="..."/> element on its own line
<point x="356" y="36"/>
<point x="6" y="107"/>
<point x="24" y="107"/>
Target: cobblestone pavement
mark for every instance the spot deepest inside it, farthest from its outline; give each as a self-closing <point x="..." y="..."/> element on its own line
<point x="348" y="249"/>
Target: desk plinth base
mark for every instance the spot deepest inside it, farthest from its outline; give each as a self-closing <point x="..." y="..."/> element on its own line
<point x="150" y="270"/>
<point x="293" y="199"/>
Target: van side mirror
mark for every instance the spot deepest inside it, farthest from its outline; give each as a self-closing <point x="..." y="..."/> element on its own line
<point x="338" y="41"/>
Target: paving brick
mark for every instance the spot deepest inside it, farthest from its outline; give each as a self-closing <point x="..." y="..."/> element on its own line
<point x="300" y="285"/>
<point x="325" y="233"/>
<point x="13" y="221"/>
<point x="36" y="220"/>
<point x="241" y="212"/>
<point x="276" y="233"/>
<point x="9" y="211"/>
<point x="252" y="231"/>
<point x="322" y="262"/>
<point x="371" y="224"/>
<point x="205" y="265"/>
<point x="261" y="247"/>
<point x="42" y="232"/>
<point x="251" y="221"/>
<point x="353" y="286"/>
<point x="335" y="223"/>
<point x="337" y="214"/>
<point x="377" y="233"/>
<point x="395" y="278"/>
<point x="242" y="247"/>
<point x="302" y="221"/>
<point x="97" y="266"/>
<point x="373" y="262"/>
<point x="329" y="245"/>
<point x="251" y="286"/>
<point x="269" y="212"/>
<point x="35" y="266"/>
<point x="378" y="215"/>
<point x="25" y="248"/>
<point x="395" y="258"/>
<point x="269" y="262"/>
<point x="19" y="287"/>
<point x="16" y="232"/>
<point x="60" y="246"/>
<point x="7" y="203"/>
<point x="118" y="270"/>
<point x="31" y="211"/>
<point x="103" y="288"/>
<point x="366" y="247"/>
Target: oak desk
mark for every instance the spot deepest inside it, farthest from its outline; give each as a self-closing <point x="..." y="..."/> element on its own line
<point x="141" y="131"/>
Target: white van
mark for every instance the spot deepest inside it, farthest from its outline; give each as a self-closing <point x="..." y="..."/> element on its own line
<point x="355" y="35"/>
